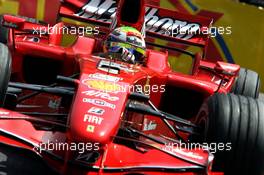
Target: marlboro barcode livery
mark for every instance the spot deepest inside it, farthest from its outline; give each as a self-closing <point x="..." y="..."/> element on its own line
<point x="110" y="103"/>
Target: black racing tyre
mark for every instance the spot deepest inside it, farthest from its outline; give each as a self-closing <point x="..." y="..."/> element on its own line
<point x="5" y="71"/>
<point x="3" y="32"/>
<point x="261" y="96"/>
<point x="238" y="120"/>
<point x="247" y="83"/>
<point x="254" y="2"/>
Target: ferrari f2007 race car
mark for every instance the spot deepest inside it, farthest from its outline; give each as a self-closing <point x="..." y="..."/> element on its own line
<point x="83" y="113"/>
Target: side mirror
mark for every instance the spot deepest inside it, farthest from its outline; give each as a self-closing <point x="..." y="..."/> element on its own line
<point x="21" y="22"/>
<point x="226" y="68"/>
<point x="13" y="21"/>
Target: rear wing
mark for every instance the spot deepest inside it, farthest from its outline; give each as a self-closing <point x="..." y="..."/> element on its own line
<point x="160" y="23"/>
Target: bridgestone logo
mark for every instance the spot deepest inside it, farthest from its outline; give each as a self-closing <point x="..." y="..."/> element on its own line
<point x="105" y="10"/>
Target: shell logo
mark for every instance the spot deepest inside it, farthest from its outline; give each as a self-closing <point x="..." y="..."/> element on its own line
<point x="102" y="85"/>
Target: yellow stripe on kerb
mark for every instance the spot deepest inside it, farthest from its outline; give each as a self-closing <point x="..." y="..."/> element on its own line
<point x="41" y="9"/>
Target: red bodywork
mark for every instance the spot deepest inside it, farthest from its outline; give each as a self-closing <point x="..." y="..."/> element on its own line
<point x="109" y="155"/>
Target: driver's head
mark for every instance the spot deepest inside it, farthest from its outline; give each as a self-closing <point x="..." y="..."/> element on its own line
<point x="127" y="43"/>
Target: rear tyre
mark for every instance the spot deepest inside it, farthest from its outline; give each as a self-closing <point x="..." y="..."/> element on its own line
<point x="3" y="32"/>
<point x="5" y="71"/>
<point x="247" y="83"/>
<point x="237" y="120"/>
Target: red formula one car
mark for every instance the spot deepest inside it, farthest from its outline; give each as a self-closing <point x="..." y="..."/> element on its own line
<point x="84" y="114"/>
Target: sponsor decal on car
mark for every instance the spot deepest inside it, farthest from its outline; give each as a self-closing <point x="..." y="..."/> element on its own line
<point x="169" y="26"/>
<point x="93" y="119"/>
<point x="54" y="104"/>
<point x="105" y="10"/>
<point x="99" y="76"/>
<point x="102" y="85"/>
<point x="90" y="128"/>
<point x="95" y="9"/>
<point x="95" y="110"/>
<point x="100" y="94"/>
<point x="99" y="102"/>
<point x="149" y="125"/>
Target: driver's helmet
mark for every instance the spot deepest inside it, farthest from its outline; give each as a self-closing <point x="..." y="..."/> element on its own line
<point x="127" y="44"/>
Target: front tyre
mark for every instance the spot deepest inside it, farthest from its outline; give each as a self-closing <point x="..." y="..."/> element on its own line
<point x="237" y="120"/>
<point x="5" y="71"/>
<point x="247" y="83"/>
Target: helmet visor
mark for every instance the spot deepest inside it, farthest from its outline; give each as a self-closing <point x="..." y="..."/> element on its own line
<point x="128" y="46"/>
